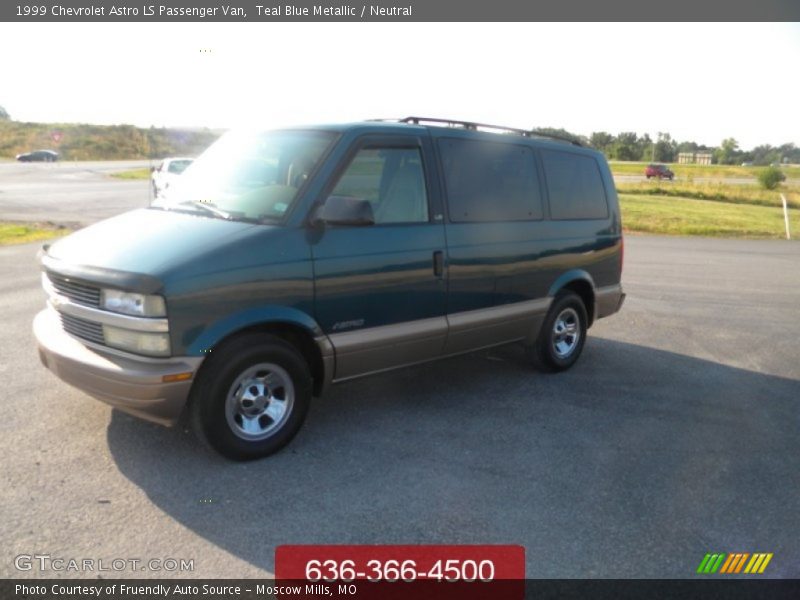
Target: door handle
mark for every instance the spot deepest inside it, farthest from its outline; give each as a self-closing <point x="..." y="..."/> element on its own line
<point x="438" y="263"/>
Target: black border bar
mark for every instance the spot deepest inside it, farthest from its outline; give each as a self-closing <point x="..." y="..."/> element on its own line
<point x="399" y="11"/>
<point x="727" y="588"/>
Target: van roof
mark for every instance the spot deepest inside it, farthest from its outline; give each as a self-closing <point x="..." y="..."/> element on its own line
<point x="462" y="127"/>
<point x="473" y="126"/>
<point x="440" y="127"/>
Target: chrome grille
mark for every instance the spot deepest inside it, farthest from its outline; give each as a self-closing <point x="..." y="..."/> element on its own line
<point x="78" y="292"/>
<point x="87" y="330"/>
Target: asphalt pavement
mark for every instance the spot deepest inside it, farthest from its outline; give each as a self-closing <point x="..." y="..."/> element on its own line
<point x="678" y="180"/>
<point x="69" y="193"/>
<point x="676" y="434"/>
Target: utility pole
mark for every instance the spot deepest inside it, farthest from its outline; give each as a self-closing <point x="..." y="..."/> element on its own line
<point x="786" y="217"/>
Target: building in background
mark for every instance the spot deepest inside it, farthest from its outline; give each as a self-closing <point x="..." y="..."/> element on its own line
<point x="694" y="158"/>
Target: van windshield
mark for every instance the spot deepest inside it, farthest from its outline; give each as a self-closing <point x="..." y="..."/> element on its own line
<point x="247" y="176"/>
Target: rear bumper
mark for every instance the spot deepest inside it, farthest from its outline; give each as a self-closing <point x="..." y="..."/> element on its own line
<point x="608" y="300"/>
<point x="133" y="384"/>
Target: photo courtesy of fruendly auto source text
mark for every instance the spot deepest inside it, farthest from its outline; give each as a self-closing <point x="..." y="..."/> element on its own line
<point x="400" y="300"/>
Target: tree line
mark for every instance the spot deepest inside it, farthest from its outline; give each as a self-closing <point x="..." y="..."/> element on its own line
<point x="628" y="145"/>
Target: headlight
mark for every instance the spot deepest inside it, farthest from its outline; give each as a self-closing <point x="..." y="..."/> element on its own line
<point x="139" y="305"/>
<point x="153" y="344"/>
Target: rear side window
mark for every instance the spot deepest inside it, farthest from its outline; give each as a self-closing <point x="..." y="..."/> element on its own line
<point x="490" y="182"/>
<point x="575" y="186"/>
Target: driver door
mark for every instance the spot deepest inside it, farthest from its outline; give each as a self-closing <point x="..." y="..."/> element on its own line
<point x="380" y="289"/>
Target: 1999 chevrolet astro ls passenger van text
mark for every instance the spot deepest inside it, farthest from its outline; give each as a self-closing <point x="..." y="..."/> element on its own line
<point x="283" y="261"/>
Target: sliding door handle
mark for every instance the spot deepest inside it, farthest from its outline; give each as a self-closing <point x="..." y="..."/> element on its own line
<point x="438" y="263"/>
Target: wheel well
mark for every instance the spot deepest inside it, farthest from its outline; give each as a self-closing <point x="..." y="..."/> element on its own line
<point x="584" y="289"/>
<point x="297" y="337"/>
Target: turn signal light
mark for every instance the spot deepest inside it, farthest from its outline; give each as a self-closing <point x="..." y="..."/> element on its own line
<point x="176" y="377"/>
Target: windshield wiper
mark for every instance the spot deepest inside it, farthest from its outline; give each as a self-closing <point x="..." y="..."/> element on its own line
<point x="207" y="207"/>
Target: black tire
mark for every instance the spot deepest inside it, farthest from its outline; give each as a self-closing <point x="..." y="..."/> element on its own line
<point x="544" y="352"/>
<point x="262" y="367"/>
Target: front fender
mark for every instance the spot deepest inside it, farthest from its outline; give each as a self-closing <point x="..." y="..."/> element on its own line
<point x="219" y="330"/>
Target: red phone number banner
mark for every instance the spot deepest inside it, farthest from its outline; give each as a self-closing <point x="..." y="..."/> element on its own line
<point x="387" y="572"/>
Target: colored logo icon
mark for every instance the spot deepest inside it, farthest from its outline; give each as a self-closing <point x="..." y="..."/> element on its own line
<point x="741" y="562"/>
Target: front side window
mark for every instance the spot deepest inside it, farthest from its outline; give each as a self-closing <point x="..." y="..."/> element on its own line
<point x="391" y="180"/>
<point x="248" y="176"/>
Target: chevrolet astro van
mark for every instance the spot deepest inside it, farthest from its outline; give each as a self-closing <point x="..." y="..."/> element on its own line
<point x="283" y="261"/>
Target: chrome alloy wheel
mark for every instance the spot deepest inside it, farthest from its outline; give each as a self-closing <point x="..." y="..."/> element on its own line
<point x="259" y="402"/>
<point x="566" y="332"/>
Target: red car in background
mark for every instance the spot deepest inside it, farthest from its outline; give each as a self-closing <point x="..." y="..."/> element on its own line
<point x="660" y="171"/>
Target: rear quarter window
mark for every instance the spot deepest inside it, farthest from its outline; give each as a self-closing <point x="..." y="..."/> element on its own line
<point x="575" y="186"/>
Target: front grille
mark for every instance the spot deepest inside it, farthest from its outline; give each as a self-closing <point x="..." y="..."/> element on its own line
<point x="77" y="291"/>
<point x="87" y="330"/>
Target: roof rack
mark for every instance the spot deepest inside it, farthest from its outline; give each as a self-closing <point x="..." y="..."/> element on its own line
<point x="469" y="125"/>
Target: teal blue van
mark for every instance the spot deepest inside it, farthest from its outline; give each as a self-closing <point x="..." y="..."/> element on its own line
<point x="281" y="262"/>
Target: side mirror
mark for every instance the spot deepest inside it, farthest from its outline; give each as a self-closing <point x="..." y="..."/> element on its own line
<point x="344" y="210"/>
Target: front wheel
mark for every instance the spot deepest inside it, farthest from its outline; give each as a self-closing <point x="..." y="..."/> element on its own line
<point x="252" y="397"/>
<point x="562" y="335"/>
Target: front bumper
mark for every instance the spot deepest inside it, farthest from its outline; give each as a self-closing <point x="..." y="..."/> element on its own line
<point x="133" y="384"/>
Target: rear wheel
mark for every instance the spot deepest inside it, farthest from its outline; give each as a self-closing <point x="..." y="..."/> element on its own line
<point x="562" y="335"/>
<point x="252" y="397"/>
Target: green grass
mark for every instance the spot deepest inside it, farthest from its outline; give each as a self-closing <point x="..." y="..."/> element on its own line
<point x="686" y="216"/>
<point x="692" y="171"/>
<point x="721" y="192"/>
<point x="132" y="174"/>
<point x="21" y="233"/>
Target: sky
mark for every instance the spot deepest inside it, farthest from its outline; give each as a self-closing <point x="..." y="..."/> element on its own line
<point x="699" y="82"/>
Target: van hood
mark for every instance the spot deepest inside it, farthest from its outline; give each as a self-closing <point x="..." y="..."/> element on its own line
<point x="147" y="241"/>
